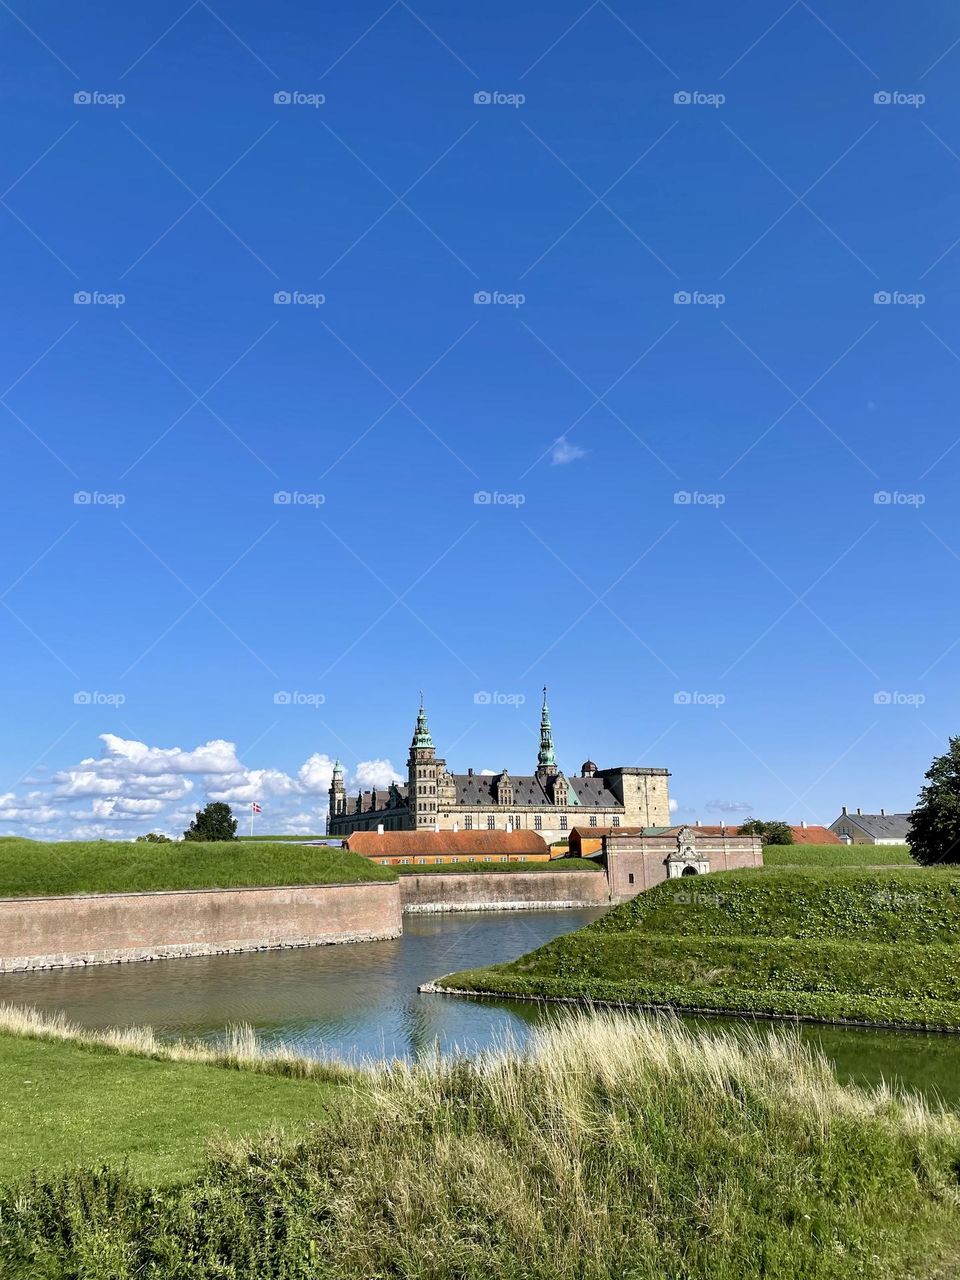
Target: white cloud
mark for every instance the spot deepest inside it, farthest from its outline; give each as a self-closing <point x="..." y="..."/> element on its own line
<point x="563" y="451"/>
<point x="374" y="773"/>
<point x="729" y="806"/>
<point x="316" y="773"/>
<point x="33" y="808"/>
<point x="674" y="806"/>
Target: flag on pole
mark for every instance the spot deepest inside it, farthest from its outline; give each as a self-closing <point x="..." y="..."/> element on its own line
<point x="256" y="808"/>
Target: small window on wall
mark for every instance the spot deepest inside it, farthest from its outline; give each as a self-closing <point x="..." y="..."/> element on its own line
<point x="538" y="822"/>
<point x="504" y="858"/>
<point x="452" y="859"/>
<point x="468" y="822"/>
<point x="491" y="822"/>
<point x="563" y="822"/>
<point x="593" y="819"/>
<point x="616" y="820"/>
<point x="421" y="862"/>
<point x="487" y="858"/>
<point x="404" y="862"/>
<point x="630" y="878"/>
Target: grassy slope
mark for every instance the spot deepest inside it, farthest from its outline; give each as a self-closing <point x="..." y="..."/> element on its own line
<point x="612" y="1148"/>
<point x="837" y="855"/>
<point x="879" y="946"/>
<point x="64" y="1104"/>
<point x="558" y="864"/>
<point x="31" y="869"/>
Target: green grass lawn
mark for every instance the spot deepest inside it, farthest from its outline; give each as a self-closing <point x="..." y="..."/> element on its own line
<point x="612" y="1148"/>
<point x="558" y="864"/>
<point x="64" y="1105"/>
<point x="837" y="855"/>
<point x="30" y="869"/>
<point x="877" y="946"/>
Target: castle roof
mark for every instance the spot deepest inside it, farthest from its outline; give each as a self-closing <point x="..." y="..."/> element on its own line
<point x="474" y="790"/>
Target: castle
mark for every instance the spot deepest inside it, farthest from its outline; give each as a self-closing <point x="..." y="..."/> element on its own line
<point x="546" y="801"/>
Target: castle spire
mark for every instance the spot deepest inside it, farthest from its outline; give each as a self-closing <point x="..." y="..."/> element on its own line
<point x="547" y="758"/>
<point x="421" y="734"/>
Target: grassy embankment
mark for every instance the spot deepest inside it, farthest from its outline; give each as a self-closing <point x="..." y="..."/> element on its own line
<point x="880" y="947"/>
<point x="558" y="864"/>
<point x="611" y="1147"/>
<point x="837" y="855"/>
<point x="29" y="869"/>
<point x="70" y="1097"/>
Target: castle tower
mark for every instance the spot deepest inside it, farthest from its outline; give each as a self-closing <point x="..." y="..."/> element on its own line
<point x="546" y="758"/>
<point x="337" y="796"/>
<point x="422" y="770"/>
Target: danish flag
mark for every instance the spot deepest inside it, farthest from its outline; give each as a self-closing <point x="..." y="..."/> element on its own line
<point x="256" y="808"/>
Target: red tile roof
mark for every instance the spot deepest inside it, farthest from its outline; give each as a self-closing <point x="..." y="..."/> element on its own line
<point x="403" y="844"/>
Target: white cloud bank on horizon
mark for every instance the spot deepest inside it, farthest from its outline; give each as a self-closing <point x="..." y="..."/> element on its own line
<point x="132" y="788"/>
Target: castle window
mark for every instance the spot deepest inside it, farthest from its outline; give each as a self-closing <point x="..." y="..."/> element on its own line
<point x="487" y="858"/>
<point x="593" y="819"/>
<point x="491" y="822"/>
<point x="516" y="822"/>
<point x="630" y="877"/>
<point x="404" y="862"/>
<point x="616" y="819"/>
<point x="468" y="822"/>
<point x="563" y="822"/>
<point x="504" y="858"/>
<point x="421" y="861"/>
<point x="538" y="822"/>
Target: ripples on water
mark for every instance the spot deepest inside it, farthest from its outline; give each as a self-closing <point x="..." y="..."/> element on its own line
<point x="360" y="999"/>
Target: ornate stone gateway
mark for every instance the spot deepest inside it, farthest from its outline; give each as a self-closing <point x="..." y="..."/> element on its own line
<point x="686" y="860"/>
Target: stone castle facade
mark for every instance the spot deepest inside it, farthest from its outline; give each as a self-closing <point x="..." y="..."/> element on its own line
<point x="546" y="801"/>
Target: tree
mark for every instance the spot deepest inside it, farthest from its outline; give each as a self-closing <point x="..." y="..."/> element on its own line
<point x="154" y="837"/>
<point x="934" y="834"/>
<point x="769" y="832"/>
<point x="213" y="822"/>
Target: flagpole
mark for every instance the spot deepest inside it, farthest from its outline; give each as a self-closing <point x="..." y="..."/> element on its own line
<point x="252" y="812"/>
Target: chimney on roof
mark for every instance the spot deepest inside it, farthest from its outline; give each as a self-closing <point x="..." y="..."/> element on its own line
<point x="379" y="828"/>
<point x="803" y="824"/>
<point x="698" y="822"/>
<point x="469" y="773"/>
<point x="844" y="808"/>
<point x="882" y="814"/>
<point x="859" y="814"/>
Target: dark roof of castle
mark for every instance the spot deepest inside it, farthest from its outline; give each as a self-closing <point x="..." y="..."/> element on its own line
<point x="476" y="790"/>
<point x="402" y="844"/>
<point x="383" y="798"/>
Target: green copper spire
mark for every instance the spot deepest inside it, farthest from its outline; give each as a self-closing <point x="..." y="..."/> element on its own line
<point x="546" y="758"/>
<point x="421" y="735"/>
<point x="337" y="769"/>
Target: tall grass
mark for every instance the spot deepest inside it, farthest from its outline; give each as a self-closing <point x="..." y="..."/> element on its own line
<point x="608" y="1147"/>
<point x="240" y="1049"/>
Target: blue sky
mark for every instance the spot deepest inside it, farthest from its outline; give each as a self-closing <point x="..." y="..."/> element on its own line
<point x="784" y="641"/>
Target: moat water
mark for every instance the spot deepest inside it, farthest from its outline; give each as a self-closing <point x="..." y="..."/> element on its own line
<point x="361" y="1000"/>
